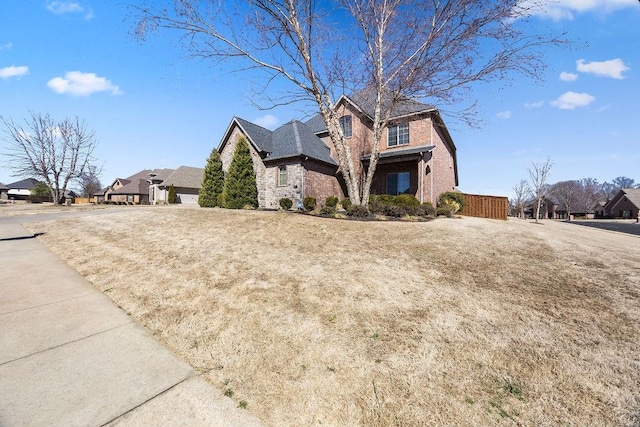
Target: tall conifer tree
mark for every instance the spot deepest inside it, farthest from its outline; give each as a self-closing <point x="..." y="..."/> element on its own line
<point x="212" y="181"/>
<point x="240" y="187"/>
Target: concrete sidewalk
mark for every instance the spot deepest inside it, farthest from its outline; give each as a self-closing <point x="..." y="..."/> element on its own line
<point x="69" y="356"/>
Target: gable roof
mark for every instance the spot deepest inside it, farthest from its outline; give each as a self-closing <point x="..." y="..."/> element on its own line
<point x="292" y="139"/>
<point x="25" y="184"/>
<point x="632" y="194"/>
<point x="160" y="175"/>
<point x="185" y="177"/>
<point x="135" y="184"/>
<point x="364" y="102"/>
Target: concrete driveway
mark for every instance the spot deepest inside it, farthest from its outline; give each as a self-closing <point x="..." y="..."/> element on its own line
<point x="70" y="357"/>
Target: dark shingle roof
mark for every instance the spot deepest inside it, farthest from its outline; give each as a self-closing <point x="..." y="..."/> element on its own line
<point x="185" y="177"/>
<point x="402" y="152"/>
<point x="292" y="139"/>
<point x="25" y="184"/>
<point x="260" y="136"/>
<point x="296" y="139"/>
<point x="365" y="100"/>
<point x="316" y="124"/>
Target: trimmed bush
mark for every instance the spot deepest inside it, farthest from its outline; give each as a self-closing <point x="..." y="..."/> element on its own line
<point x="452" y="199"/>
<point x="395" y="211"/>
<point x="426" y="210"/>
<point x="445" y="211"/>
<point x="327" y="211"/>
<point x="346" y="203"/>
<point x="309" y="203"/>
<point x="240" y="187"/>
<point x="358" y="211"/>
<point x="220" y="200"/>
<point x="286" y="203"/>
<point x="331" y="202"/>
<point x="212" y="181"/>
<point x="406" y="200"/>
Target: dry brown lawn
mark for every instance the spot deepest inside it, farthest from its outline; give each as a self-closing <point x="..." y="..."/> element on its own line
<point x="457" y="322"/>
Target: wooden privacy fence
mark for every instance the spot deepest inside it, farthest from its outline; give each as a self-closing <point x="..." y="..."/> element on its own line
<point x="494" y="207"/>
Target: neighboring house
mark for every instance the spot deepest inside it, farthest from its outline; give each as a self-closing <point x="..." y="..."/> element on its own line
<point x="417" y="154"/>
<point x="156" y="176"/>
<point x="134" y="189"/>
<point x="186" y="181"/>
<point x="21" y="190"/>
<point x="625" y="204"/>
<point x="599" y="210"/>
<point x="4" y="192"/>
<point x="98" y="197"/>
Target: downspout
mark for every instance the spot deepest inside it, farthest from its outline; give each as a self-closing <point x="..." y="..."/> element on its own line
<point x="304" y="176"/>
<point x="421" y="178"/>
<point x="432" y="168"/>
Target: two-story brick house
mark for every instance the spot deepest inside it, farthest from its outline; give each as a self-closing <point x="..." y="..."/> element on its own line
<point x="417" y="154"/>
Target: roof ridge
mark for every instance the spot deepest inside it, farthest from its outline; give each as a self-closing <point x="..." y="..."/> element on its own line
<point x="296" y="134"/>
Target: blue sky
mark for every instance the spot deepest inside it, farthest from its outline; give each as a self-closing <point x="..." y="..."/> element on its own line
<point x="153" y="108"/>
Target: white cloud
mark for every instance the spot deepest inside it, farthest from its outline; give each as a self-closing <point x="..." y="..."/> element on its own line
<point x="573" y="100"/>
<point x="537" y="104"/>
<point x="77" y="83"/>
<point x="504" y="115"/>
<point x="268" y="121"/>
<point x="568" y="77"/>
<point x="566" y="9"/>
<point x="64" y="7"/>
<point x="6" y="46"/>
<point x="13" y="71"/>
<point x="612" y="68"/>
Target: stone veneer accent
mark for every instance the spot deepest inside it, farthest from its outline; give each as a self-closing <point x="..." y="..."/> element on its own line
<point x="258" y="167"/>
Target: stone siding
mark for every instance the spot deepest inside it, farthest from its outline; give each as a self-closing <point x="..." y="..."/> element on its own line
<point x="292" y="190"/>
<point x="258" y="166"/>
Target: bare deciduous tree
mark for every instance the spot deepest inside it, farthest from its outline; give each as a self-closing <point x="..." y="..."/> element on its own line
<point x="568" y="193"/>
<point x="432" y="50"/>
<point x="55" y="152"/>
<point x="590" y="195"/>
<point x="90" y="181"/>
<point x="539" y="174"/>
<point x="521" y="192"/>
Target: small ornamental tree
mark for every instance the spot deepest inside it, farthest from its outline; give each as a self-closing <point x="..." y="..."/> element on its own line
<point x="240" y="187"/>
<point x="212" y="181"/>
<point x="171" y="197"/>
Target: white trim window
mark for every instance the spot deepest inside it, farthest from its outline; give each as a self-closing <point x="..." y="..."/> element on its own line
<point x="398" y="135"/>
<point x="282" y="176"/>
<point x="345" y="124"/>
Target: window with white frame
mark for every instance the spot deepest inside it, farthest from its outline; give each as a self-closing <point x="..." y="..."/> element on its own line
<point x="398" y="183"/>
<point x="282" y="176"/>
<point x="345" y="123"/>
<point x="398" y="135"/>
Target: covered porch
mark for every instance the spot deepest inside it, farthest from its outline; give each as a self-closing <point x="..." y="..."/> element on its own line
<point x="404" y="171"/>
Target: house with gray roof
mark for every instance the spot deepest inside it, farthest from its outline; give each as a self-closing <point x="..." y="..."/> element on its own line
<point x="186" y="181"/>
<point x="21" y="190"/>
<point x="298" y="160"/>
